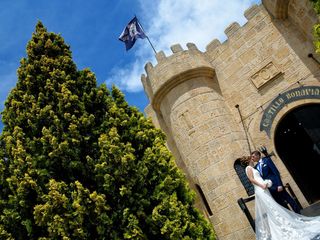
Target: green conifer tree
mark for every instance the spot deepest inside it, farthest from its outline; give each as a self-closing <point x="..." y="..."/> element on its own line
<point x="76" y="162"/>
<point x="316" y="27"/>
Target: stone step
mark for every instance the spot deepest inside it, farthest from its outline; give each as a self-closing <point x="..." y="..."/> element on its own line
<point x="312" y="210"/>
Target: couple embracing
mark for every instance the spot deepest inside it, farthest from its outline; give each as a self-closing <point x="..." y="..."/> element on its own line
<point x="273" y="219"/>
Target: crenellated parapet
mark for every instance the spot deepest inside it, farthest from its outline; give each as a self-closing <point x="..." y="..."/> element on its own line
<point x="171" y="71"/>
<point x="185" y="64"/>
<point x="253" y="14"/>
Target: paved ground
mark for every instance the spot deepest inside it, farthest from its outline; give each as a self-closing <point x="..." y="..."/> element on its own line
<point x="312" y="210"/>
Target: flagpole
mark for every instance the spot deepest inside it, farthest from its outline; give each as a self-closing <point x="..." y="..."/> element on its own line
<point x="155" y="52"/>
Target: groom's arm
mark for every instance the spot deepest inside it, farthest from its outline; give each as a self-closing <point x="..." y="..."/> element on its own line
<point x="274" y="169"/>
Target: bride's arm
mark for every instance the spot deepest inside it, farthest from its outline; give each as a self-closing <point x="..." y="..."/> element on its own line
<point x="252" y="180"/>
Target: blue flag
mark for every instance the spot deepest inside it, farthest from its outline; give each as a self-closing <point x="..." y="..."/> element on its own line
<point x="131" y="33"/>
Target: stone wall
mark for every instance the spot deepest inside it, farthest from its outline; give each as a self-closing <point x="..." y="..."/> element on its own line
<point x="193" y="95"/>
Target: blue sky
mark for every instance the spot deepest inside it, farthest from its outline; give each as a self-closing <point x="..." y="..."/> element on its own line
<point x="92" y="29"/>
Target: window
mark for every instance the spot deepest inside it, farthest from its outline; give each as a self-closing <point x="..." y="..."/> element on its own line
<point x="204" y="200"/>
<point x="240" y="170"/>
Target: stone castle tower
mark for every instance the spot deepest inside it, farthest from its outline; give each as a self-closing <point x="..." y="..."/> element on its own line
<point x="268" y="69"/>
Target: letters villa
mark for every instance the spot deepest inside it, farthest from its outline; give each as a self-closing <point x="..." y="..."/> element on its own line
<point x="258" y="88"/>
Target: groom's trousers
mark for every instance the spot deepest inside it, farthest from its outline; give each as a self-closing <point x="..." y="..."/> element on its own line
<point x="283" y="198"/>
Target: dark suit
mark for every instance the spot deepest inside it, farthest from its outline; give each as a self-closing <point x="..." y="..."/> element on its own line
<point x="270" y="171"/>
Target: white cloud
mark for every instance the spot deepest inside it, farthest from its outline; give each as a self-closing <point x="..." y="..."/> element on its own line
<point x="179" y="21"/>
<point x="128" y="78"/>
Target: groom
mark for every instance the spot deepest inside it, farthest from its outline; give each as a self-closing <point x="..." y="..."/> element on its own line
<point x="268" y="170"/>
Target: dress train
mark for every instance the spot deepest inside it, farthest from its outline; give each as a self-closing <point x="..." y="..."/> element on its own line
<point x="274" y="222"/>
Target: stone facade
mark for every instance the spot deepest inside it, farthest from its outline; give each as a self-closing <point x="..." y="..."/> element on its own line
<point x="193" y="95"/>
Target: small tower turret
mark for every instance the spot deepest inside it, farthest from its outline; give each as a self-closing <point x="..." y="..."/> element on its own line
<point x="186" y="97"/>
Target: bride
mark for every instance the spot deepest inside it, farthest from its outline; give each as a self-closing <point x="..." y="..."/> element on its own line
<point x="274" y="222"/>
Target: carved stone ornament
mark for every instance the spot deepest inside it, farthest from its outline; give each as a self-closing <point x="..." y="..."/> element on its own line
<point x="264" y="75"/>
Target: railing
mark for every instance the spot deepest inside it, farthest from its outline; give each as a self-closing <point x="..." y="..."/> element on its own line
<point x="242" y="204"/>
<point x="293" y="195"/>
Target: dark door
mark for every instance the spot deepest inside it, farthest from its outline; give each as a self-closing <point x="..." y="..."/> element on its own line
<point x="297" y="141"/>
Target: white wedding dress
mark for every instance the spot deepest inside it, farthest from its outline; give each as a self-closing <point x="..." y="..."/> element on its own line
<point x="274" y="222"/>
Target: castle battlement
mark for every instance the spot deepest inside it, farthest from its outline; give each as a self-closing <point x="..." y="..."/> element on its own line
<point x="234" y="31"/>
<point x="184" y="64"/>
<point x="171" y="71"/>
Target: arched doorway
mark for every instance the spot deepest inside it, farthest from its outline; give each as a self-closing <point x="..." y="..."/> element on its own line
<point x="297" y="141"/>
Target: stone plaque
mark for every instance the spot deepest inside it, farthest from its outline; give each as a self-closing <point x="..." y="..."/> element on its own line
<point x="264" y="75"/>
